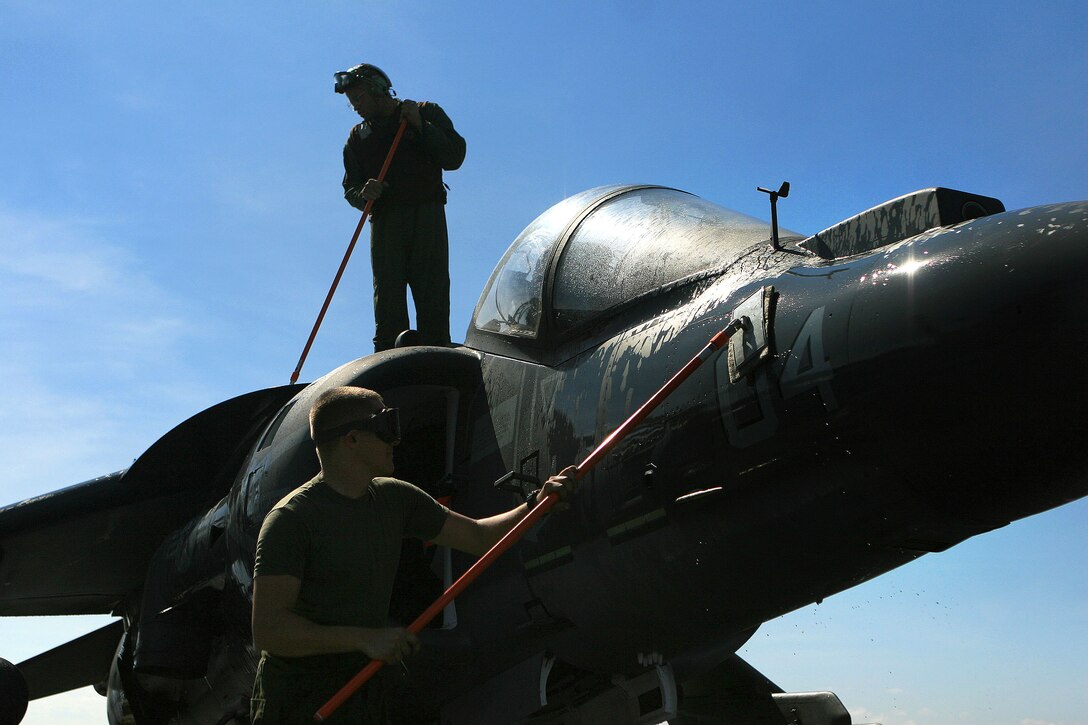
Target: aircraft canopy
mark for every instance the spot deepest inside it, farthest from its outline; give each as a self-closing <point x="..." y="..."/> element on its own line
<point x="600" y="248"/>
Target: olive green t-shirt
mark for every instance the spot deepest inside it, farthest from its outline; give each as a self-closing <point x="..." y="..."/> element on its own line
<point x="345" y="551"/>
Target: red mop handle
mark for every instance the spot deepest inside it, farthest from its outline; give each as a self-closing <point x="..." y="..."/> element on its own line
<point x="347" y="254"/>
<point x="439" y="604"/>
<point x="519" y="529"/>
<point x="716" y="343"/>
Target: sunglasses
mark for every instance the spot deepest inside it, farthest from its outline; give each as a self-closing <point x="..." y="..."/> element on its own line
<point x="385" y="424"/>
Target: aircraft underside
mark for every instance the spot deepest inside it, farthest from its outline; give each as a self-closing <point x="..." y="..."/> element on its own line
<point x="539" y="691"/>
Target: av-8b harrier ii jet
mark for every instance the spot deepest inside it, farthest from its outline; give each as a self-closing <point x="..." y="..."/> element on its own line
<point x="906" y="379"/>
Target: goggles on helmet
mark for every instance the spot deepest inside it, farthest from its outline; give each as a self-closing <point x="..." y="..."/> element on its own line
<point x="345" y="80"/>
<point x="385" y="424"/>
<point x="363" y="74"/>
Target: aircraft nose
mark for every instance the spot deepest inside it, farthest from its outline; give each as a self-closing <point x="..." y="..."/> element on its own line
<point x="972" y="343"/>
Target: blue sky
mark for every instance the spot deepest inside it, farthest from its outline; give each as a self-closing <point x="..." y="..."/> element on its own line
<point x="171" y="217"/>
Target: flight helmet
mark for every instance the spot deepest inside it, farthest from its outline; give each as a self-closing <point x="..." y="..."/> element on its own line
<point x="367" y="75"/>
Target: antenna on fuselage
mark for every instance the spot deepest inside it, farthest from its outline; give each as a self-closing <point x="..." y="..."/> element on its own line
<point x="783" y="191"/>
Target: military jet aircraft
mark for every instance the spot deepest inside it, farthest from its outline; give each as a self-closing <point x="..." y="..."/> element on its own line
<point x="906" y="379"/>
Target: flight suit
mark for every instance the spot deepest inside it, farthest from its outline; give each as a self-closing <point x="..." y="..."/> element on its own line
<point x="409" y="242"/>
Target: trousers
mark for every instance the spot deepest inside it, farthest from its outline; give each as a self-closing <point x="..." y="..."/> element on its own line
<point x="283" y="695"/>
<point x="409" y="248"/>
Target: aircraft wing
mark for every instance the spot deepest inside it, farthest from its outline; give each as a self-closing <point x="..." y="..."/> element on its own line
<point x="734" y="691"/>
<point x="79" y="663"/>
<point x="82" y="549"/>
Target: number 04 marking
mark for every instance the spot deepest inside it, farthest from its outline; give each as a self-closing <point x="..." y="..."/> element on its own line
<point x="807" y="365"/>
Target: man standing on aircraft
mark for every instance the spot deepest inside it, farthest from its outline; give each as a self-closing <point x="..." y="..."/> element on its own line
<point x="409" y="245"/>
<point x="327" y="556"/>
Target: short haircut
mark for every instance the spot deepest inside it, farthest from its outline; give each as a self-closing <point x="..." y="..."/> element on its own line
<point x="338" y="406"/>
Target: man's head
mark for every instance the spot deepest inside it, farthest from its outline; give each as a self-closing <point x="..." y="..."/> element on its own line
<point x="368" y="89"/>
<point x="364" y="75"/>
<point x="351" y="421"/>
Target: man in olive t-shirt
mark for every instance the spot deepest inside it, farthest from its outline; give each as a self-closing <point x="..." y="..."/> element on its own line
<point x="327" y="557"/>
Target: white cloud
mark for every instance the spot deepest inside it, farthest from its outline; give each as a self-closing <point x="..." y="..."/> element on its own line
<point x="49" y="433"/>
<point x="141" y="100"/>
<point x="73" y="708"/>
<point x="65" y="283"/>
<point x="58" y="255"/>
<point x="82" y="322"/>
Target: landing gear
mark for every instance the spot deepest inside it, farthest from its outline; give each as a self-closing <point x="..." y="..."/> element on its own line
<point x="14" y="694"/>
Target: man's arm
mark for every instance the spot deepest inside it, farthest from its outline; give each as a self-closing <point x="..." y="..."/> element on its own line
<point x="279" y="631"/>
<point x="440" y="138"/>
<point x="355" y="179"/>
<point x="476" y="536"/>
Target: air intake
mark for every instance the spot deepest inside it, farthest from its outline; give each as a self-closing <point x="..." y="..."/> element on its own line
<point x="900" y="219"/>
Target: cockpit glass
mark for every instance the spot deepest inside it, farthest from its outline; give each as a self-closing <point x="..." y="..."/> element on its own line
<point x="641" y="241"/>
<point x="638" y="240"/>
<point x="511" y="303"/>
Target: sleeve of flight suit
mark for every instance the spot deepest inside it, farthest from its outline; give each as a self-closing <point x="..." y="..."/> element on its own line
<point x="441" y="140"/>
<point x="354" y="176"/>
